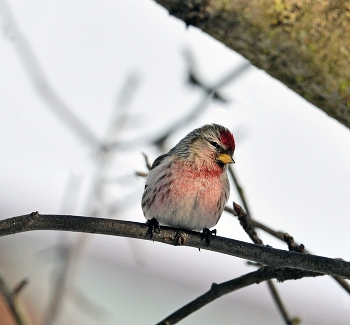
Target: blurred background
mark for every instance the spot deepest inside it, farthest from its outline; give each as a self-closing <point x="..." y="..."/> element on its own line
<point x="78" y="75"/>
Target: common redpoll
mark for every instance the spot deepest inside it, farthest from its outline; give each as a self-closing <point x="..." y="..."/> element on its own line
<point x="188" y="187"/>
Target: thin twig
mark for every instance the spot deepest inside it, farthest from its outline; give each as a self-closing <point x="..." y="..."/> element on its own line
<point x="276" y="297"/>
<point x="245" y="220"/>
<point x="240" y="190"/>
<point x="19" y="287"/>
<point x="292" y="246"/>
<point x="63" y="251"/>
<point x="277" y="234"/>
<point x="71" y="254"/>
<point x="198" y="109"/>
<point x="267" y="255"/>
<point x="121" y="113"/>
<point x="141" y="174"/>
<point x="247" y="226"/>
<point x="40" y="82"/>
<point x="267" y="229"/>
<point x="280" y="235"/>
<point x="9" y="297"/>
<point x="218" y="290"/>
<point x="86" y="305"/>
<point x="59" y="284"/>
<point x="195" y="80"/>
<point x="148" y="165"/>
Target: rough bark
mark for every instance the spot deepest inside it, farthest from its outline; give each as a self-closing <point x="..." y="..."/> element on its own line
<point x="275" y="258"/>
<point x="303" y="43"/>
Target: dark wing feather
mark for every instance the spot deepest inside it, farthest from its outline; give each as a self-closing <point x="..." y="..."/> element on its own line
<point x="157" y="162"/>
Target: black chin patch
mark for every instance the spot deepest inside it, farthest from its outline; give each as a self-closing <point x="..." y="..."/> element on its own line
<point x="220" y="163"/>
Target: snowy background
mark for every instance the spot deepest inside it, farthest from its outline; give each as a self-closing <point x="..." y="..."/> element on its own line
<point x="292" y="160"/>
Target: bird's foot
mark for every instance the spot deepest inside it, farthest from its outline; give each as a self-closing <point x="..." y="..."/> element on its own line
<point x="208" y="234"/>
<point x="153" y="226"/>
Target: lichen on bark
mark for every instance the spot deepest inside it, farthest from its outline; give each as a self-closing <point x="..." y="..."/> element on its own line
<point x="303" y="43"/>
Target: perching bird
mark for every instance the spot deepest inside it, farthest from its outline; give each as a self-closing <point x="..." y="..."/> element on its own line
<point x="188" y="187"/>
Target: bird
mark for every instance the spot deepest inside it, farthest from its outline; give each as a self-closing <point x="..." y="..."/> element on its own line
<point x="188" y="187"/>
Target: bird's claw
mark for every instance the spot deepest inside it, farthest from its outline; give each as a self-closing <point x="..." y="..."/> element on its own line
<point x="207" y="234"/>
<point x="153" y="226"/>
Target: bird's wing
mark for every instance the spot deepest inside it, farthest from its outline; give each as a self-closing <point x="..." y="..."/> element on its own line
<point x="158" y="161"/>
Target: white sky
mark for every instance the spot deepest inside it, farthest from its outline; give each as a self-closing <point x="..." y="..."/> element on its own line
<point x="292" y="160"/>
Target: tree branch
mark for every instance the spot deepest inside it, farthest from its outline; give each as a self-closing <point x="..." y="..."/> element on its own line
<point x="300" y="43"/>
<point x="280" y="235"/>
<point x="197" y="110"/>
<point x="218" y="290"/>
<point x="247" y="226"/>
<point x="173" y="236"/>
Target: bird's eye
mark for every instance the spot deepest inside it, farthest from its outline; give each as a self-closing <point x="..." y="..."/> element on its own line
<point x="214" y="144"/>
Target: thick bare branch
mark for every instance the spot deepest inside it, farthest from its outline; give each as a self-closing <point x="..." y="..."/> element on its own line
<point x="266" y="255"/>
<point x="301" y="43"/>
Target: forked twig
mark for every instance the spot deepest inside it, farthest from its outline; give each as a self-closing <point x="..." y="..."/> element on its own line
<point x="245" y="221"/>
<point x="160" y="138"/>
<point x="10" y="298"/>
<point x="277" y="234"/>
<point x="247" y="226"/>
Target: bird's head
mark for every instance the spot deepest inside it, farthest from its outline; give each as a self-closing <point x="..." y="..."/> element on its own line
<point x="210" y="144"/>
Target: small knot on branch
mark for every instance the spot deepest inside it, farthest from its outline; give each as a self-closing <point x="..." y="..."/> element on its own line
<point x="180" y="239"/>
<point x="292" y="246"/>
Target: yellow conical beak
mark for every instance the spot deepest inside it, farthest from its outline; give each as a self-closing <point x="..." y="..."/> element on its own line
<point x="225" y="158"/>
